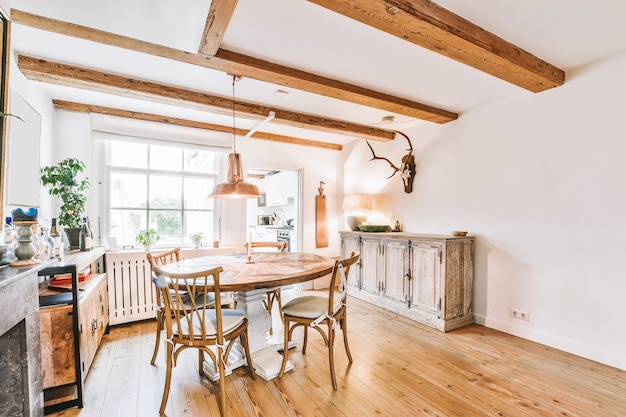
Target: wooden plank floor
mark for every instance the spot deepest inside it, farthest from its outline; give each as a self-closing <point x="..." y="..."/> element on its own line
<point x="400" y="368"/>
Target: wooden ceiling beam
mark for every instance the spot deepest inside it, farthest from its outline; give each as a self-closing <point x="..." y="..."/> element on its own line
<point x="88" y="79"/>
<point x="429" y="25"/>
<point x="220" y="13"/>
<point x="259" y="69"/>
<point x="110" y="111"/>
<point x="233" y="63"/>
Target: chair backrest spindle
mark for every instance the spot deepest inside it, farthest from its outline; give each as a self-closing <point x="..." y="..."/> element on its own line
<point x="340" y="272"/>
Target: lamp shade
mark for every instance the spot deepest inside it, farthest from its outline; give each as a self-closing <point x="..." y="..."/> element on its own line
<point x="235" y="187"/>
<point x="354" y="203"/>
<point x="357" y="202"/>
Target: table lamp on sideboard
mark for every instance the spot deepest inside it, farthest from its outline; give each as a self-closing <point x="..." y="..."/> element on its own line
<point x="354" y="204"/>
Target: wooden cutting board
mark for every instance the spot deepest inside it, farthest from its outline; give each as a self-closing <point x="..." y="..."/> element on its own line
<point x="321" y="221"/>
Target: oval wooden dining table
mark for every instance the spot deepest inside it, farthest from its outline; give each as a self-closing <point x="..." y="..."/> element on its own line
<point x="250" y="282"/>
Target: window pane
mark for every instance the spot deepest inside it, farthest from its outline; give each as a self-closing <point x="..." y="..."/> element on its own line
<point x="166" y="158"/>
<point x="129" y="154"/>
<point x="166" y="191"/>
<point x="169" y="225"/>
<point x="200" y="221"/>
<point x="175" y="203"/>
<point x="128" y="190"/>
<point x="199" y="161"/>
<point x="126" y="224"/>
<point x="197" y="192"/>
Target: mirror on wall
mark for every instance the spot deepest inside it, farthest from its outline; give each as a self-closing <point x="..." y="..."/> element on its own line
<point x="22" y="153"/>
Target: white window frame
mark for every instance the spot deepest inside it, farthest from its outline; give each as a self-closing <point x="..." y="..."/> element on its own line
<point x="102" y="171"/>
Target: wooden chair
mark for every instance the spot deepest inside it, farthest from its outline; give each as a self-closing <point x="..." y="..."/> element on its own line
<point x="272" y="295"/>
<point x="164" y="258"/>
<point x="317" y="309"/>
<point x="211" y="331"/>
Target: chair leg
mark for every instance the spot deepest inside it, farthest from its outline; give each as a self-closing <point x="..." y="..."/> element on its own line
<point x="169" y="363"/>
<point x="285" y="347"/>
<point x="305" y="338"/>
<point x="246" y="348"/>
<point x="268" y="306"/>
<point x="200" y="361"/>
<point x="280" y="304"/>
<point x="220" y="365"/>
<point x="159" y="329"/>
<point x="331" y="354"/>
<point x="344" y="330"/>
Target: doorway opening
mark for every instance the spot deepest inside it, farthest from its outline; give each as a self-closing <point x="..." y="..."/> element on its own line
<point x="276" y="215"/>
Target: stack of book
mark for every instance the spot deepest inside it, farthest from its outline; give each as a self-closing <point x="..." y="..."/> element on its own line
<point x="64" y="281"/>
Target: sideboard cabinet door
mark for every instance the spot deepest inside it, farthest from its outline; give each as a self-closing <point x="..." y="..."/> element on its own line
<point x="426" y="277"/>
<point x="370" y="265"/>
<point x="395" y="265"/>
<point x="351" y="244"/>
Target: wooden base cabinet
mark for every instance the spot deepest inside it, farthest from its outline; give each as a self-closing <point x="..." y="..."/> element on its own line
<point x="427" y="278"/>
<point x="72" y="331"/>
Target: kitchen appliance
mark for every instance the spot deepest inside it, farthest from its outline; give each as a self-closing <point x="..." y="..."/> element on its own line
<point x="285" y="235"/>
<point x="264" y="220"/>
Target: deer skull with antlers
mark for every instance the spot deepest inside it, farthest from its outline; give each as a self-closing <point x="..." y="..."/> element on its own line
<point x="406" y="168"/>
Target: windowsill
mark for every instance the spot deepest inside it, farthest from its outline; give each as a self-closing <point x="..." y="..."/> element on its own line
<point x="221" y="249"/>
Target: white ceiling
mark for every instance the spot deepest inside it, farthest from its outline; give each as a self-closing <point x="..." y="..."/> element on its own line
<point x="569" y="34"/>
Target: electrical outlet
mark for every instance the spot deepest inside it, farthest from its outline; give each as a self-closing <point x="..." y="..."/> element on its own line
<point x="519" y="314"/>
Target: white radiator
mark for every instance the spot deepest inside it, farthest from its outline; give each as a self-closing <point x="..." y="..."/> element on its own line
<point x="131" y="293"/>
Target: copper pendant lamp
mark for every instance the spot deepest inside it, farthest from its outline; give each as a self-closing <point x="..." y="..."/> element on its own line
<point x="235" y="187"/>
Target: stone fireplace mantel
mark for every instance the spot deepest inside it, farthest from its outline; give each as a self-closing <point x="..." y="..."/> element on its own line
<point x="21" y="390"/>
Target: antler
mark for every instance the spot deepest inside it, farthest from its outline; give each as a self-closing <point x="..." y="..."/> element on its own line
<point x="396" y="169"/>
<point x="408" y="140"/>
<point x="407" y="167"/>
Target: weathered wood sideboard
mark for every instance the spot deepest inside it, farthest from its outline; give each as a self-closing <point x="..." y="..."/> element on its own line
<point x="427" y="278"/>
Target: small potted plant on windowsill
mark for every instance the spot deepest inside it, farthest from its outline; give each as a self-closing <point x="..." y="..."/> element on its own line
<point x="196" y="239"/>
<point x="61" y="178"/>
<point x="147" y="238"/>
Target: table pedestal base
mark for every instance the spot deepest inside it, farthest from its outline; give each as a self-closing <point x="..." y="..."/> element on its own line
<point x="265" y="359"/>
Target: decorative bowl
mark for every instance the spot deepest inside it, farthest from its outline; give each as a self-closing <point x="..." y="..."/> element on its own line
<point x="458" y="233"/>
<point x="373" y="227"/>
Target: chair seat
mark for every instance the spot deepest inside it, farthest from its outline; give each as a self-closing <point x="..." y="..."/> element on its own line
<point x="230" y="320"/>
<point x="311" y="306"/>
<point x="199" y="299"/>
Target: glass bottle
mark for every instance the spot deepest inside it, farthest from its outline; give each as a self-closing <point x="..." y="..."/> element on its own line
<point x="37" y="239"/>
<point x="8" y="231"/>
<point x="48" y="240"/>
<point x="54" y="234"/>
<point x="88" y="223"/>
<point x="85" y="236"/>
<point x="60" y="248"/>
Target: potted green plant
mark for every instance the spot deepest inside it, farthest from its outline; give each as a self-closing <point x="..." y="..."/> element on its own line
<point x="63" y="183"/>
<point x="147" y="238"/>
<point x="196" y="239"/>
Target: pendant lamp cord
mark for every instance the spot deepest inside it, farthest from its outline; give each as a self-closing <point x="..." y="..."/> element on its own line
<point x="234" y="130"/>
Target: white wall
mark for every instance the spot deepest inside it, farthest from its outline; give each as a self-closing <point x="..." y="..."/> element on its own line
<point x="539" y="180"/>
